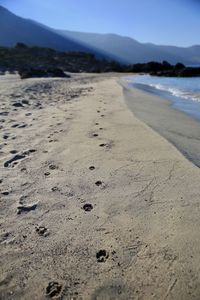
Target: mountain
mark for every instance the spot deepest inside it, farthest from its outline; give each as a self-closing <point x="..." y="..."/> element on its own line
<point x="131" y="51"/>
<point x="14" y="29"/>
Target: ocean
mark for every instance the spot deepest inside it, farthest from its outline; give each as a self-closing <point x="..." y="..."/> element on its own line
<point x="183" y="93"/>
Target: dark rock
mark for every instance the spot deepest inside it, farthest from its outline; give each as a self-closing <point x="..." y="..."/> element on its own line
<point x="37" y="73"/>
<point x="25" y="102"/>
<point x="6" y="193"/>
<point x="26" y="209"/>
<point x="15" y="158"/>
<point x="17" y="104"/>
<point x="179" y="66"/>
<point x="178" y="72"/>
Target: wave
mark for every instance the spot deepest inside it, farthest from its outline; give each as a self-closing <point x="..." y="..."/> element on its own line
<point x="177" y="92"/>
<point x="183" y="93"/>
<point x="185" y="88"/>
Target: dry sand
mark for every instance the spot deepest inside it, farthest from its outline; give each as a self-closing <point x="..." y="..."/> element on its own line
<point x="94" y="203"/>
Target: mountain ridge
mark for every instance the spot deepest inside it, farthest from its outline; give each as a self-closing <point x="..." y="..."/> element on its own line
<point x="14" y="29"/>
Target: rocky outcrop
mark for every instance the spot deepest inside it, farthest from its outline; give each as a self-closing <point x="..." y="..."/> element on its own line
<point x="22" y="57"/>
<point x="178" y="72"/>
<point x="31" y="73"/>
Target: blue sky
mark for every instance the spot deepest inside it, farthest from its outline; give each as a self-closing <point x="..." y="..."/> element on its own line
<point x="175" y="22"/>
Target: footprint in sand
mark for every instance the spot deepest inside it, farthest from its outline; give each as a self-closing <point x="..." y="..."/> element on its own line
<point x="53" y="289"/>
<point x="28" y="152"/>
<point x="91" y="168"/>
<point x="102" y="145"/>
<point x="102" y="256"/>
<point x="55" y="189"/>
<point x="13" y="151"/>
<point x="51" y="141"/>
<point x="15" y="125"/>
<point x="53" y="167"/>
<point x="108" y="145"/>
<point x="5" y="136"/>
<point x="26" y="102"/>
<point x="47" y="173"/>
<point x="42" y="230"/>
<point x="99" y="183"/>
<point x="87" y="207"/>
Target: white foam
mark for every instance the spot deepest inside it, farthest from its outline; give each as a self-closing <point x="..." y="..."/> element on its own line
<point x="185" y="88"/>
<point x="177" y="92"/>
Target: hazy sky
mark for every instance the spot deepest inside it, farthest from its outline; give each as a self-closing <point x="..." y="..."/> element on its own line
<point x="174" y="22"/>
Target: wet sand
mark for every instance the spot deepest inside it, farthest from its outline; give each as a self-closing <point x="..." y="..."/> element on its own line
<point x="94" y="204"/>
<point x="179" y="128"/>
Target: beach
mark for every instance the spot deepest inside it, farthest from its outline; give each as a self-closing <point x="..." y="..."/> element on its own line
<point x="179" y="128"/>
<point x="94" y="203"/>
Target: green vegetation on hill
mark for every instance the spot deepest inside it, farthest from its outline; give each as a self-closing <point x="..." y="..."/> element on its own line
<point x="37" y="61"/>
<point x="24" y="57"/>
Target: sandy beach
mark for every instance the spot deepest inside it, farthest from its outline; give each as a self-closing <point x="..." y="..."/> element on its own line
<point x="94" y="204"/>
<point x="181" y="129"/>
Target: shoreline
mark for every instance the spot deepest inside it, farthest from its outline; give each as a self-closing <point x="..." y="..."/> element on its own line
<point x="94" y="203"/>
<point x="189" y="107"/>
<point x="179" y="128"/>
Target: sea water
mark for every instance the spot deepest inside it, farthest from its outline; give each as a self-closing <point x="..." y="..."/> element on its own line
<point x="184" y="93"/>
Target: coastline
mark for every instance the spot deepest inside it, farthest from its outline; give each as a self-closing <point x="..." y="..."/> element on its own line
<point x="140" y="237"/>
<point x="186" y="102"/>
<point x="179" y="128"/>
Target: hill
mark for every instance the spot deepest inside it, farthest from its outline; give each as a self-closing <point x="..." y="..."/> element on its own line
<point x="128" y="50"/>
<point x="27" y="57"/>
<point x="14" y="29"/>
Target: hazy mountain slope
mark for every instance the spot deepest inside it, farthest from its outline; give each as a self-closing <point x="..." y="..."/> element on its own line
<point x="127" y="49"/>
<point x="132" y="51"/>
<point x="15" y="29"/>
<point x="186" y="54"/>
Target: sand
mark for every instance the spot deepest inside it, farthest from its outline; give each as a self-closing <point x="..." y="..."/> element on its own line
<point x="94" y="203"/>
<point x="179" y="128"/>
